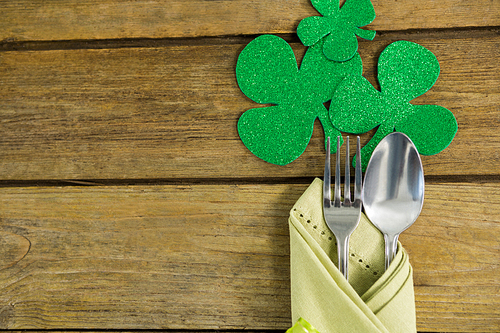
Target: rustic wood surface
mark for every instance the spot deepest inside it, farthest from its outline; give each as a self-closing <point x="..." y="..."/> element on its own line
<point x="128" y="202"/>
<point x="163" y="256"/>
<point x="72" y="19"/>
<point x="129" y="113"/>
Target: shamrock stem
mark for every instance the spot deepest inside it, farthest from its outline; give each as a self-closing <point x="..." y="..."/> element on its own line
<point x="328" y="128"/>
<point x="366" y="34"/>
<point x="367" y="150"/>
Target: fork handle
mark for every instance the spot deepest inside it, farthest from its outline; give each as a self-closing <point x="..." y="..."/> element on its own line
<point x="343" y="252"/>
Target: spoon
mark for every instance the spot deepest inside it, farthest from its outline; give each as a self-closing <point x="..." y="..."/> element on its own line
<point x="393" y="191"/>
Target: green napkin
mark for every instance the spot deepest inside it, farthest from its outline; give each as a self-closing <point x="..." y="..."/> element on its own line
<point x="322" y="299"/>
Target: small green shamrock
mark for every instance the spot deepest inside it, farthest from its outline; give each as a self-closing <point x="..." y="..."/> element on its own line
<point x="267" y="73"/>
<point x="339" y="25"/>
<point x="405" y="71"/>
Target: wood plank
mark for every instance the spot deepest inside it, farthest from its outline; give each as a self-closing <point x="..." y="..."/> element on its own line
<point x="217" y="257"/>
<point x="148" y="257"/>
<point x="171" y="112"/>
<point x="454" y="249"/>
<point x="109" y="19"/>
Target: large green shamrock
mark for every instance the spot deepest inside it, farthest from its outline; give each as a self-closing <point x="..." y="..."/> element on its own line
<point x="405" y="70"/>
<point x="339" y="25"/>
<point x="267" y="72"/>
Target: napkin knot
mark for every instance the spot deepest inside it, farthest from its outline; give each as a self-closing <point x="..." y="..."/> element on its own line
<point x="371" y="301"/>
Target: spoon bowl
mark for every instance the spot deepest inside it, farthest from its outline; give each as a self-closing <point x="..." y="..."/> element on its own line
<point x="393" y="191"/>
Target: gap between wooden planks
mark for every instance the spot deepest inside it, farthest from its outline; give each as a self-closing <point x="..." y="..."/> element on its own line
<point x="111" y="19"/>
<point x="217" y="257"/>
<point x="171" y="112"/>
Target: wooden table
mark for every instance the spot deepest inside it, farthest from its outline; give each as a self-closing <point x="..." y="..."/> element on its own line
<point x="128" y="201"/>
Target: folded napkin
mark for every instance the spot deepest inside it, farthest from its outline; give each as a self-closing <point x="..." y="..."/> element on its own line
<point x="322" y="299"/>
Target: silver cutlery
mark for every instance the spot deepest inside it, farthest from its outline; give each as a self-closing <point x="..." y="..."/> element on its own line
<point x="393" y="191"/>
<point x="342" y="217"/>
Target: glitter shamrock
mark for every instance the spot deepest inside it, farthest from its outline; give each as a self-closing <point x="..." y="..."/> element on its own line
<point x="406" y="70"/>
<point x="339" y="25"/>
<point x="267" y="73"/>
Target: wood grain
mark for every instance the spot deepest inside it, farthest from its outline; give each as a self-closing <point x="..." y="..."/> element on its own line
<point x="144" y="92"/>
<point x="217" y="257"/>
<point x="110" y="19"/>
<point x="171" y="112"/>
<point x="454" y="249"/>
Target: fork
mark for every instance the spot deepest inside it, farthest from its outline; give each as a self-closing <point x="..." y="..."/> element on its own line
<point x="342" y="217"/>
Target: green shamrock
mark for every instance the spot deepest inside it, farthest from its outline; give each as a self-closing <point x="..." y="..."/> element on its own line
<point x="267" y="73"/>
<point x="339" y="25"/>
<point x="405" y="71"/>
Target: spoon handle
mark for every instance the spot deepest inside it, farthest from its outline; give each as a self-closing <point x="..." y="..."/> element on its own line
<point x="343" y="252"/>
<point x="391" y="246"/>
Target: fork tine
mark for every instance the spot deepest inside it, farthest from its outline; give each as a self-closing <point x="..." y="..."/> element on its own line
<point x="347" y="181"/>
<point x="327" y="195"/>
<point x="358" y="173"/>
<point x="341" y="218"/>
<point x="336" y="196"/>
